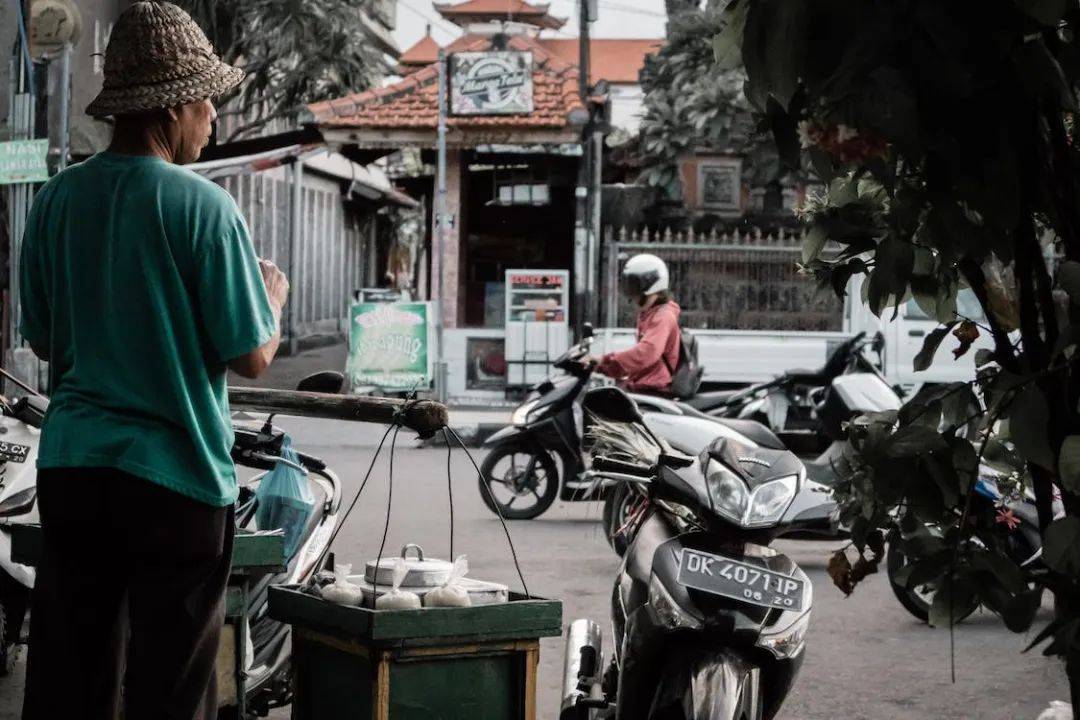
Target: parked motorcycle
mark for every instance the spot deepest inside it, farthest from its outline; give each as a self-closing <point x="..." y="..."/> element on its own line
<point x="708" y="620"/>
<point x="1024" y="547"/>
<point x="847" y="395"/>
<point x="788" y="403"/>
<point x="259" y="447"/>
<point x="520" y="476"/>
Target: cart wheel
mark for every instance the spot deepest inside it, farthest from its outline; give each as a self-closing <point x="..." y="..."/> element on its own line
<point x="518" y="480"/>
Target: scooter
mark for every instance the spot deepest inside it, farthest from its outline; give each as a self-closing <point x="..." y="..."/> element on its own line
<point x="19" y="423"/>
<point x="267" y="659"/>
<point x="846" y="396"/>
<point x="708" y="620"/>
<point x="519" y="477"/>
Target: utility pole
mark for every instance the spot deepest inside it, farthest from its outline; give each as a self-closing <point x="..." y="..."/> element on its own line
<point x="440" y="234"/>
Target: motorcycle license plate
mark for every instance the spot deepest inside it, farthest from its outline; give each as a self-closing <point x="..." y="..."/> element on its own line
<point x="739" y="581"/>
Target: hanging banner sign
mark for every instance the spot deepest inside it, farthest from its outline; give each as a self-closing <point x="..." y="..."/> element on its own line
<point x="24" y="161"/>
<point x="389" y="346"/>
<point x="491" y="83"/>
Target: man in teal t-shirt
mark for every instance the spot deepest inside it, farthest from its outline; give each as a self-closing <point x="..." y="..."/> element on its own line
<point x="140" y="286"/>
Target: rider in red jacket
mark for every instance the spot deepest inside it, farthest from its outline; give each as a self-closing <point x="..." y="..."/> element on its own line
<point x="648" y="366"/>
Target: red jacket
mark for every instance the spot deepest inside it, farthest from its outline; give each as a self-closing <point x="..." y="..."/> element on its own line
<point x="643" y="366"/>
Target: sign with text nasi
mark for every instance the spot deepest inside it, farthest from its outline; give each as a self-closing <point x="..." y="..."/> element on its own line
<point x="389" y="346"/>
<point x="491" y="83"/>
<point x="23" y="161"/>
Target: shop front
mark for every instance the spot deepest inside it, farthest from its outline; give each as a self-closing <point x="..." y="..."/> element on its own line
<point x="513" y="205"/>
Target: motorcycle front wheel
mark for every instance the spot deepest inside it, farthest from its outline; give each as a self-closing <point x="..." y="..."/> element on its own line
<point x="916" y="600"/>
<point x="518" y="480"/>
<point x="617" y="506"/>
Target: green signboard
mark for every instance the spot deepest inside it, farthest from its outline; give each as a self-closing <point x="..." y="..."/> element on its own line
<point x="388" y="346"/>
<point x="23" y="161"/>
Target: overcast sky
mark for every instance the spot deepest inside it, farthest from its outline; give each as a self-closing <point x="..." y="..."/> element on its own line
<point x="617" y="18"/>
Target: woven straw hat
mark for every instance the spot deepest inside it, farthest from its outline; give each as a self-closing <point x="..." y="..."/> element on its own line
<point x="158" y="57"/>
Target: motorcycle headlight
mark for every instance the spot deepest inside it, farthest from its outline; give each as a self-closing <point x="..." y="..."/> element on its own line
<point x="770" y="500"/>
<point x="20" y="503"/>
<point x="521" y="415"/>
<point x="728" y="492"/>
<point x="666" y="610"/>
<point x="789" y="641"/>
<point x="762" y="507"/>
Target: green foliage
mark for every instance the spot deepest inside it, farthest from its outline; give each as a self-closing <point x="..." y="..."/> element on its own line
<point x="689" y="107"/>
<point x="943" y="132"/>
<point x="295" y="52"/>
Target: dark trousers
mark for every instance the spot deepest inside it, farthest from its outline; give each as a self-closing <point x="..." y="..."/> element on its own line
<point x="129" y="600"/>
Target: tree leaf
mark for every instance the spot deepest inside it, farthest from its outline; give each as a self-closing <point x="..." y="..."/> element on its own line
<point x="1020" y="612"/>
<point x="930" y="346"/>
<point x="1068" y="277"/>
<point x="727" y="44"/>
<point x="983" y="356"/>
<point x="1061" y="545"/>
<point x="839" y="570"/>
<point x="1069" y="464"/>
<point x="1029" y="419"/>
<point x="952" y="600"/>
<point x="1001" y="567"/>
<point x="914" y="440"/>
<point x="814" y="242"/>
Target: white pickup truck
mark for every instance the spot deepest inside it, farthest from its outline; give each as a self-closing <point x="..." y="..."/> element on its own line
<point x="742" y="357"/>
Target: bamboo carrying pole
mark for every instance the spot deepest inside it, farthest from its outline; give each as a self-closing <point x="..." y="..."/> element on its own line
<point x="424" y="416"/>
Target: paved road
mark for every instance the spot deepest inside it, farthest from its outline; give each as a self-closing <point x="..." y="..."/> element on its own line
<point x="866" y="658"/>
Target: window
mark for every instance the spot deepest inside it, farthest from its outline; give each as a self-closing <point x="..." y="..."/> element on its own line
<point x="519" y="184"/>
<point x="967" y="306"/>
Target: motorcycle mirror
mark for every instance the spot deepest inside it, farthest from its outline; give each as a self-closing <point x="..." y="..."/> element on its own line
<point x="610" y="403"/>
<point x="587" y="330"/>
<point x="879" y="342"/>
<point x="327" y="381"/>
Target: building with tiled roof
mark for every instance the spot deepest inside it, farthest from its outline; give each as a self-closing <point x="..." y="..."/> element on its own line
<point x="472" y="12"/>
<point x="523" y="136"/>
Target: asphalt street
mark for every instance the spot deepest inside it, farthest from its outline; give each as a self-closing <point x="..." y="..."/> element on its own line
<point x="867" y="659"/>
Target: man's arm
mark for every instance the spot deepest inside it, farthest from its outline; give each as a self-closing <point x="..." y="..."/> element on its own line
<point x="255" y="363"/>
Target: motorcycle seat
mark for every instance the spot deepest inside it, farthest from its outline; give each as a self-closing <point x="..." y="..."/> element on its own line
<point x="802" y="376"/>
<point x="710" y="400"/>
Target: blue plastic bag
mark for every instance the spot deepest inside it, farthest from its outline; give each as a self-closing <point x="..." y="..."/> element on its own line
<point x="286" y="501"/>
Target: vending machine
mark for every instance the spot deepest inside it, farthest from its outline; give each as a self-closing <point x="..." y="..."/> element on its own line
<point x="537" y="324"/>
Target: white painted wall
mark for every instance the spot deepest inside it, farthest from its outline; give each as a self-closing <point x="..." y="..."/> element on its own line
<point x="627" y="106"/>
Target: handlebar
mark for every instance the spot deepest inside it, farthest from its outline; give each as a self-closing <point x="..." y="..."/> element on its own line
<point x="606" y="464"/>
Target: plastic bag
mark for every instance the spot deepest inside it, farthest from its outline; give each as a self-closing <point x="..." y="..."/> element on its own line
<point x="451" y="594"/>
<point x="342" y="591"/>
<point x="1057" y="711"/>
<point x="398" y="599"/>
<point x="286" y="501"/>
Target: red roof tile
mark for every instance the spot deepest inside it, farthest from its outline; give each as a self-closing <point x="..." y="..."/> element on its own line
<point x="412" y="103"/>
<point x="481" y="10"/>
<point x="617" y="60"/>
<point x="424" y="52"/>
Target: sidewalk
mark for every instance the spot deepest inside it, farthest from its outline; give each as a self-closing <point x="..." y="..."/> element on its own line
<point x="473" y="424"/>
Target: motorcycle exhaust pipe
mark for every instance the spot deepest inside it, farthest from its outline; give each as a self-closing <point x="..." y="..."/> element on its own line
<point x="582" y="666"/>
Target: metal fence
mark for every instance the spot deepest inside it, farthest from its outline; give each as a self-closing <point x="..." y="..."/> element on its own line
<point x="729" y="281"/>
<point x="330" y="253"/>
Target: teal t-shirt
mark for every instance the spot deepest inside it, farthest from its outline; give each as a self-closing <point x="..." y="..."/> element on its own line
<point x="140" y="280"/>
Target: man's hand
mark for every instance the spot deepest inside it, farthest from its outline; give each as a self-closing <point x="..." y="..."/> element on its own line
<point x="277" y="285"/>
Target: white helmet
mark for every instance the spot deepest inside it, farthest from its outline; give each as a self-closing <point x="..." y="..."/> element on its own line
<point x="643" y="275"/>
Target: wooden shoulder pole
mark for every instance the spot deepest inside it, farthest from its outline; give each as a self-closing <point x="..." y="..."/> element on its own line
<point x="424" y="416"/>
